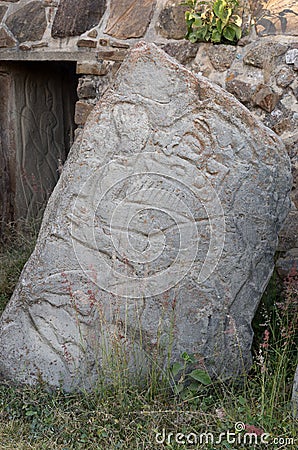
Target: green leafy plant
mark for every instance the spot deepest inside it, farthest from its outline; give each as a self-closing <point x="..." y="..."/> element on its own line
<point x="213" y="20"/>
<point x="189" y="384"/>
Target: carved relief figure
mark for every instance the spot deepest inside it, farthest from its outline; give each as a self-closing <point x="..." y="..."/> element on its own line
<point x="277" y="17"/>
<point x="42" y="145"/>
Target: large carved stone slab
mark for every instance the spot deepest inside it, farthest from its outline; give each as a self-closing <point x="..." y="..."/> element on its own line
<point x="74" y="17"/>
<point x="159" y="236"/>
<point x="129" y="18"/>
<point x="275" y="17"/>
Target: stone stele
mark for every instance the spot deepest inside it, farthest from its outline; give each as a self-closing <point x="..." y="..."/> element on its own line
<point x="158" y="238"/>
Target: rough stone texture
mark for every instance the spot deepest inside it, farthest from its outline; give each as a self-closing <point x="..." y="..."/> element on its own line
<point x="291" y="55"/>
<point x="112" y="54"/>
<point x="94" y="68"/>
<point x="222" y="56"/>
<point x="86" y="88"/>
<point x="259" y="55"/>
<point x="183" y="51"/>
<point x="129" y="18"/>
<point x="74" y="17"/>
<point x="6" y="40"/>
<point x="285" y="77"/>
<point x="288" y="236"/>
<point x="171" y="22"/>
<point x="88" y="43"/>
<point x="3" y="10"/>
<point x="287" y="262"/>
<point x="295" y="395"/>
<point x="28" y="23"/>
<point x="82" y="112"/>
<point x="243" y="91"/>
<point x="161" y="231"/>
<point x="265" y="98"/>
<point x="275" y="17"/>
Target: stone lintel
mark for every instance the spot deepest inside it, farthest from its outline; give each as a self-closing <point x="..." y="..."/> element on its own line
<point x="78" y="56"/>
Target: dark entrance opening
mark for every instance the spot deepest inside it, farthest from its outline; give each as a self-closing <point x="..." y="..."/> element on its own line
<point x="37" y="104"/>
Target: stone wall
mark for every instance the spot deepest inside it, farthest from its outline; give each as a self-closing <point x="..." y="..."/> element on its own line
<point x="261" y="71"/>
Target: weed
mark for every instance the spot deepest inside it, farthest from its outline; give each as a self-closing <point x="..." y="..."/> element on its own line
<point x="15" y="249"/>
<point x="213" y="20"/>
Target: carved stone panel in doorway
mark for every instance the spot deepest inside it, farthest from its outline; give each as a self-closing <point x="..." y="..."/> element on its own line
<point x="40" y="101"/>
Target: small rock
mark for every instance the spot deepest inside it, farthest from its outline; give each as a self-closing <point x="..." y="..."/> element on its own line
<point x="40" y="44"/>
<point x="265" y="97"/>
<point x="86" y="43"/>
<point x="25" y="47"/>
<point x="86" y="88"/>
<point x="291" y="55"/>
<point x="129" y="19"/>
<point x="104" y="42"/>
<point x="119" y="44"/>
<point x="286" y="264"/>
<point x="92" y="34"/>
<point x="114" y="54"/>
<point x="259" y="55"/>
<point x="92" y="68"/>
<point x="171" y="21"/>
<point x="183" y="51"/>
<point x="28" y="23"/>
<point x="222" y="56"/>
<point x="82" y="112"/>
<point x="281" y="126"/>
<point x="284" y="77"/>
<point x="242" y="90"/>
<point x="74" y="17"/>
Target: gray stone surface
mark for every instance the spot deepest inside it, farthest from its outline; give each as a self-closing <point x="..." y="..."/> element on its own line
<point x="183" y="51"/>
<point x="222" y="56"/>
<point x="259" y="55"/>
<point x="28" y="23"/>
<point x="74" y="17"/>
<point x="160" y="234"/>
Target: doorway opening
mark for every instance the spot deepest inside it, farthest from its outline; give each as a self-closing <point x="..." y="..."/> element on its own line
<point x="37" y="105"/>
